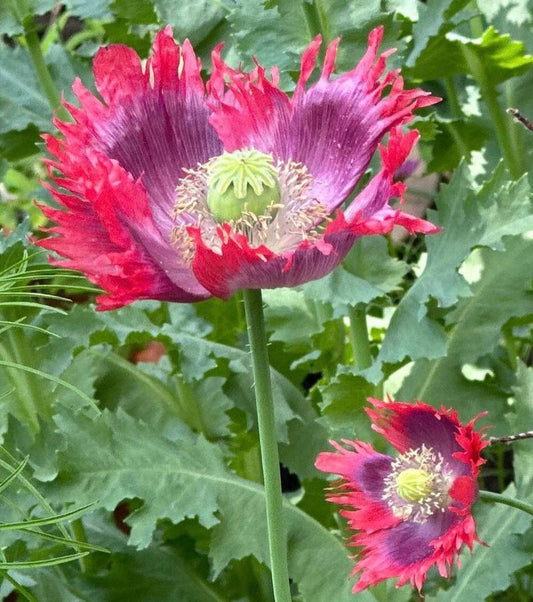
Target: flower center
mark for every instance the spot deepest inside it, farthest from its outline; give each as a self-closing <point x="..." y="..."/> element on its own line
<point x="418" y="484"/>
<point x="414" y="484"/>
<point x="269" y="204"/>
<point x="244" y="181"/>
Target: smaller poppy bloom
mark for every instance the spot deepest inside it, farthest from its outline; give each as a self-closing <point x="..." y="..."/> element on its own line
<point x="410" y="512"/>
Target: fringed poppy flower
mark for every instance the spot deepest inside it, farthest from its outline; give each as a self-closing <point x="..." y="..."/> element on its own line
<point x="410" y="512"/>
<point x="171" y="189"/>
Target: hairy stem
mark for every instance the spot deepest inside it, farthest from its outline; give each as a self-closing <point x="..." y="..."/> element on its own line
<point x="453" y="99"/>
<point x="511" y="438"/>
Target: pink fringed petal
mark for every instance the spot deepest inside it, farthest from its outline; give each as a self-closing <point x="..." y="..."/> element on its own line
<point x="154" y="123"/>
<point x="363" y="471"/>
<point x="376" y="563"/>
<point x="238" y="265"/>
<point x="253" y="113"/>
<point x="120" y="161"/>
<point x="333" y="128"/>
<point x="370" y="213"/>
<point x="106" y="231"/>
<point x="118" y="74"/>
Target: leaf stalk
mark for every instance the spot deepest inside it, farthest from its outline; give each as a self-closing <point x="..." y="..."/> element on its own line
<point x="499" y="498"/>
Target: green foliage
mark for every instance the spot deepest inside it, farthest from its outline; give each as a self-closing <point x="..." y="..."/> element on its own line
<point x="367" y="273"/>
<point x="469" y="218"/>
<point x="149" y="410"/>
<point x="190" y="20"/>
<point x="476" y="325"/>
<point x="489" y="568"/>
<point x="523" y="416"/>
<point x="495" y="53"/>
<point x="182" y="479"/>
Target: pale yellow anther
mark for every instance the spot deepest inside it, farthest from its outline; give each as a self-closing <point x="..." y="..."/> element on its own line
<point x="414" y="484"/>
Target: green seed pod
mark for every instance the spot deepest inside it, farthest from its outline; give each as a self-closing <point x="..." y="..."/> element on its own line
<point x="244" y="181"/>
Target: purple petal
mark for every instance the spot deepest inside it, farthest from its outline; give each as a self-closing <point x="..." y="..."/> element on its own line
<point x="333" y="128"/>
<point x="155" y="138"/>
<point x="409" y="542"/>
<point x="422" y="427"/>
<point x="155" y="123"/>
<point x="370" y="474"/>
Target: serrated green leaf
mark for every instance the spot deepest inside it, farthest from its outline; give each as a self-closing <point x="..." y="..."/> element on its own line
<point x="435" y="18"/>
<point x="281" y="307"/>
<point x="343" y="402"/>
<point x="514" y="11"/>
<point x="468" y="219"/>
<point x="264" y="33"/>
<point x="21" y="101"/>
<point x="161" y="572"/>
<point x="12" y="13"/>
<point x="9" y="24"/>
<point x="158" y="573"/>
<point x="135" y="11"/>
<point x="103" y="459"/>
<point x="96" y="9"/>
<point x="197" y="356"/>
<point x="488" y="569"/>
<point x="190" y="20"/>
<point x="278" y="35"/>
<point x="450" y="54"/>
<point x="476" y="329"/>
<point x="23" y="105"/>
<point x="145" y="392"/>
<point x="367" y="273"/>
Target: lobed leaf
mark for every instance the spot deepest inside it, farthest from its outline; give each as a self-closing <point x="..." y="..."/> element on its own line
<point x="103" y="459"/>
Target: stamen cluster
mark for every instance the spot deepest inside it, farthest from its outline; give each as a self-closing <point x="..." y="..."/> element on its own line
<point x="432" y="495"/>
<point x="280" y="226"/>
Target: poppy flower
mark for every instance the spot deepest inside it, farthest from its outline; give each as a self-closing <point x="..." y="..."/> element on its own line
<point x="177" y="190"/>
<point x="409" y="512"/>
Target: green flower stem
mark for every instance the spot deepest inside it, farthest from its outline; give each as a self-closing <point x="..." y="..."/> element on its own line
<point x="455" y="106"/>
<point x="78" y="531"/>
<point x="41" y="68"/>
<point x="490" y="496"/>
<point x="453" y="99"/>
<point x="253" y="305"/>
<point x="316" y="20"/>
<point x="511" y="156"/>
<point x="359" y="337"/>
